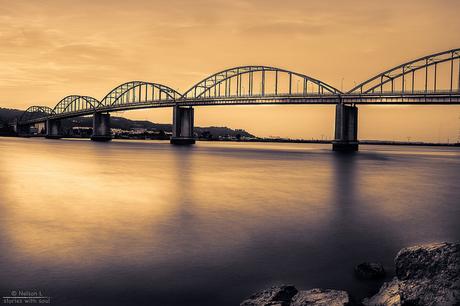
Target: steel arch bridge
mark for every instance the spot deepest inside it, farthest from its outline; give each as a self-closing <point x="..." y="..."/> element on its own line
<point x="237" y="86"/>
<point x="259" y="85"/>
<point x="75" y="104"/>
<point x="430" y="80"/>
<point x="36" y="113"/>
<point x="139" y="94"/>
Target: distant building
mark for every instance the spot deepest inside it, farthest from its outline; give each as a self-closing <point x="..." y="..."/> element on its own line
<point x="33" y="130"/>
<point x="81" y="131"/>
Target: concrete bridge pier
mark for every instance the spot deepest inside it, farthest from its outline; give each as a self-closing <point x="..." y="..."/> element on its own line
<point x="101" y="127"/>
<point x="182" y="129"/>
<point x="53" y="129"/>
<point x="346" y="128"/>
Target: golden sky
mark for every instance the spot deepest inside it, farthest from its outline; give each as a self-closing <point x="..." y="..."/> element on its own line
<point x="50" y="49"/>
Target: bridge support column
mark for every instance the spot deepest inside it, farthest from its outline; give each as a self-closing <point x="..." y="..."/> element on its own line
<point x="182" y="129"/>
<point x="53" y="129"/>
<point x="346" y="128"/>
<point x="101" y="127"/>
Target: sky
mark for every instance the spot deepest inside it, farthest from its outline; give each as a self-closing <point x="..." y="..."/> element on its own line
<point x="54" y="48"/>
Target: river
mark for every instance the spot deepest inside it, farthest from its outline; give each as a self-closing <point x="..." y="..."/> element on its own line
<point x="148" y="223"/>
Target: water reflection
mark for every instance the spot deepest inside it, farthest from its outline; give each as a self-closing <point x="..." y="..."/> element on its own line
<point x="135" y="222"/>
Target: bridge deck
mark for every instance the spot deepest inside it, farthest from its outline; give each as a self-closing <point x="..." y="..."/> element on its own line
<point x="325" y="99"/>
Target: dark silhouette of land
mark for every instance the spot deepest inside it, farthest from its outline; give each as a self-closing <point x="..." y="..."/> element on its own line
<point x="144" y="129"/>
<point x="127" y="128"/>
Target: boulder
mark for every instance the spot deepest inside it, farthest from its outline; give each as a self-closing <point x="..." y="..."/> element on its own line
<point x="427" y="275"/>
<point x="370" y="270"/>
<point x="320" y="297"/>
<point x="387" y="296"/>
<point x="275" y="296"/>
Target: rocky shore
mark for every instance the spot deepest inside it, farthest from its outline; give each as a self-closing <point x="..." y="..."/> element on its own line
<point x="426" y="275"/>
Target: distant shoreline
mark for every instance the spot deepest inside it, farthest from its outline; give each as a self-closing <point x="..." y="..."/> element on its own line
<point x="362" y="142"/>
<point x="281" y="140"/>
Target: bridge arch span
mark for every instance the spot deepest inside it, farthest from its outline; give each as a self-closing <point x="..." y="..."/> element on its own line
<point x="422" y="75"/>
<point x="36" y="112"/>
<point x="138" y="92"/>
<point x="75" y="104"/>
<point x="257" y="81"/>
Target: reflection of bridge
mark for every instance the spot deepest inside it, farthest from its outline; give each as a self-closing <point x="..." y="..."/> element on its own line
<point x="430" y="80"/>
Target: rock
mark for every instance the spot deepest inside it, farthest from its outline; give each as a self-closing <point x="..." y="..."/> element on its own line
<point x="428" y="261"/>
<point x="369" y="270"/>
<point x="387" y="296"/>
<point x="289" y="296"/>
<point x="320" y="297"/>
<point x="275" y="296"/>
<point x="427" y="275"/>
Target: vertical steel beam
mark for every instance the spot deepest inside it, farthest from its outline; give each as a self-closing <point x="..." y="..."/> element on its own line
<point x="237" y="82"/>
<point x="251" y="82"/>
<point x="435" y="75"/>
<point x="226" y="83"/>
<point x="451" y="71"/>
<point x="276" y="82"/>
<point x="263" y="83"/>
<point x="403" y="79"/>
<point x="229" y="87"/>
<point x="290" y="83"/>
<point x="458" y="87"/>
<point x="413" y="80"/>
<point x="426" y="75"/>
<point x="240" y="81"/>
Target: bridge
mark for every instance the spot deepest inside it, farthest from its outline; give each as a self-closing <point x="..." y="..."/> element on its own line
<point x="429" y="80"/>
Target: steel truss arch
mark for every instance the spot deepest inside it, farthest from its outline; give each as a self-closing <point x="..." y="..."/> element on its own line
<point x="75" y="103"/>
<point x="409" y="68"/>
<point x="204" y="87"/>
<point x="36" y="112"/>
<point x="123" y="93"/>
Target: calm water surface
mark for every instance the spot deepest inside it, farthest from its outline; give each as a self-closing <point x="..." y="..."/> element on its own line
<point x="146" y="223"/>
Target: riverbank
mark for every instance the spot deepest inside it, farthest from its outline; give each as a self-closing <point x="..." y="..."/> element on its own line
<point x="365" y="142"/>
<point x="275" y="140"/>
<point x="426" y="275"/>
